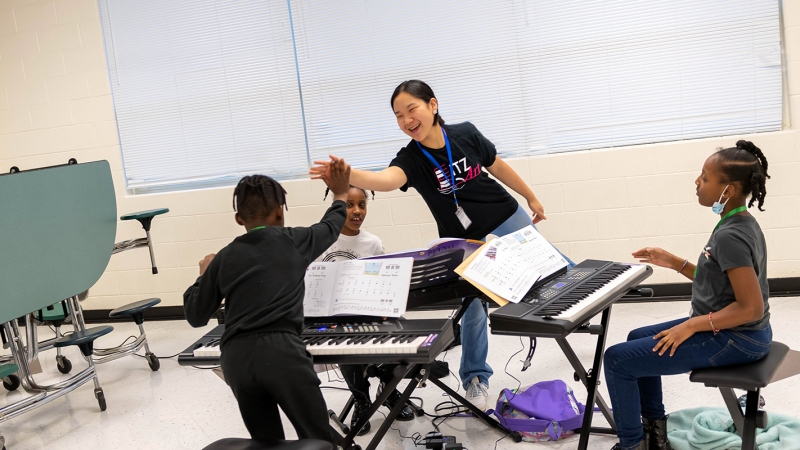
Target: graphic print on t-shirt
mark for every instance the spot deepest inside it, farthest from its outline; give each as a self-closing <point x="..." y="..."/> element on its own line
<point x="461" y="171"/>
<point x="340" y="255"/>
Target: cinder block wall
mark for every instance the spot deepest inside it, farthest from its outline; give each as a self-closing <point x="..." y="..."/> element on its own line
<point x="55" y="103"/>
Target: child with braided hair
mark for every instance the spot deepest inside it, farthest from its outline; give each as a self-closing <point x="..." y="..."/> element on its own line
<point x="261" y="277"/>
<point x="354" y="243"/>
<point x="729" y="321"/>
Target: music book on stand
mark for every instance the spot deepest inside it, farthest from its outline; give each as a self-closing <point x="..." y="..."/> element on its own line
<point x="506" y="268"/>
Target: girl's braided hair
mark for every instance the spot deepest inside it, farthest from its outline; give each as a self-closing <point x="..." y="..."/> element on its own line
<point x="746" y="164"/>
<point x="327" y="190"/>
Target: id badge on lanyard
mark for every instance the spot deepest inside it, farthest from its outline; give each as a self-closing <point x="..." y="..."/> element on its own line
<point x="460" y="213"/>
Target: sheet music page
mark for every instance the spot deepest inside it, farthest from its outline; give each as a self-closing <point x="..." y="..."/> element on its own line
<point x="511" y="264"/>
<point x="372" y="287"/>
<point x="320" y="278"/>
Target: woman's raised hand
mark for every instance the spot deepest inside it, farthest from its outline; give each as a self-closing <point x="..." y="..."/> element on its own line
<point x="656" y="256"/>
<point x="338" y="176"/>
<point x="321" y="169"/>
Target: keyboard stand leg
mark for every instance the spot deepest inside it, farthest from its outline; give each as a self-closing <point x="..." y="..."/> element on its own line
<point x="404" y="396"/>
<point x="400" y="372"/>
<point x="475" y="411"/>
<point x="591" y="383"/>
<point x="340" y="418"/>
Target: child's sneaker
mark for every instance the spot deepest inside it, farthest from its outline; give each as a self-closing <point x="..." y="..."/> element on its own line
<point x="477" y="393"/>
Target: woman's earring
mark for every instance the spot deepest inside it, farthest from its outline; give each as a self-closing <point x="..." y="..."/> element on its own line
<point x="435" y="111"/>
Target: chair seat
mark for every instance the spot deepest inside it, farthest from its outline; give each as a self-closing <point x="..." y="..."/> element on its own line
<point x="134" y="308"/>
<point x="746" y="376"/>
<point x="249" y="444"/>
<point x="83" y="337"/>
<point x="144" y="214"/>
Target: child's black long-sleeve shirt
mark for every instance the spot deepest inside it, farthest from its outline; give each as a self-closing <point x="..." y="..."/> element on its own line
<point x="260" y="274"/>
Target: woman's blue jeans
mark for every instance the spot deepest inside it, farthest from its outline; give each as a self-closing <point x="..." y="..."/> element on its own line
<point x="474" y="332"/>
<point x="633" y="371"/>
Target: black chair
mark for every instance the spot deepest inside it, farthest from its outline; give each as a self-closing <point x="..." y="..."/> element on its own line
<point x="751" y="378"/>
<point x="249" y="444"/>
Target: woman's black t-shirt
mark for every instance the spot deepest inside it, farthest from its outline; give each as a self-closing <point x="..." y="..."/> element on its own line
<point x="484" y="200"/>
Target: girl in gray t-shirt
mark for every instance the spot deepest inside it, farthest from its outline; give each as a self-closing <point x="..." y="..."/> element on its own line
<point x="729" y="322"/>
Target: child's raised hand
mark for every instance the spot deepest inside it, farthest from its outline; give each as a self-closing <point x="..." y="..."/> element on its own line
<point x="656" y="256"/>
<point x="338" y="178"/>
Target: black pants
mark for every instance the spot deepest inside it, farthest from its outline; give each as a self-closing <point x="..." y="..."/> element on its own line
<point x="357" y="382"/>
<point x="272" y="369"/>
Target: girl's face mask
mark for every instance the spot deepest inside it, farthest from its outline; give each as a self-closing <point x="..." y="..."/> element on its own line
<point x="717" y="207"/>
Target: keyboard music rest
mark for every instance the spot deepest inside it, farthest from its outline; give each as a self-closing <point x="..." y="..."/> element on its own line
<point x="561" y="305"/>
<point x="446" y="296"/>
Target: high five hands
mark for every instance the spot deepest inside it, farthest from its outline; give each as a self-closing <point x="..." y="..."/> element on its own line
<point x="322" y="168"/>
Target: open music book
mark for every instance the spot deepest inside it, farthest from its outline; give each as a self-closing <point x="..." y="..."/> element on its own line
<point x="357" y="287"/>
<point x="507" y="267"/>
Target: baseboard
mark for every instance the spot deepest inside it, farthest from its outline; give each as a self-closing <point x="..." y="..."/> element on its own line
<point x="668" y="292"/>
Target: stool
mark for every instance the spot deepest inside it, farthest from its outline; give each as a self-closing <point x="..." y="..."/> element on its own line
<point x="145" y="218"/>
<point x="751" y="378"/>
<point x="10" y="381"/>
<point x="84" y="339"/>
<point x="56" y="315"/>
<point x="249" y="444"/>
<point x="135" y="311"/>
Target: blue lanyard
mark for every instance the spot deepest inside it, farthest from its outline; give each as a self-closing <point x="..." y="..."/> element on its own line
<point x="436" y="165"/>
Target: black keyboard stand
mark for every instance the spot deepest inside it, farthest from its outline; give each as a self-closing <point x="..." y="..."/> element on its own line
<point x="419" y="375"/>
<point x="591" y="379"/>
<point x="417" y="378"/>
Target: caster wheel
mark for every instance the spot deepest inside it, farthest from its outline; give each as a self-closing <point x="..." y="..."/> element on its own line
<point x="152" y="361"/>
<point x="11" y="382"/>
<point x="64" y="365"/>
<point x="101" y="399"/>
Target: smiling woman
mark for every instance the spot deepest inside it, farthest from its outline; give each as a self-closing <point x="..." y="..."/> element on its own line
<point x="448" y="165"/>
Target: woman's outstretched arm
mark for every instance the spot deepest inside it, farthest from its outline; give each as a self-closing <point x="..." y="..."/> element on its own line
<point x="388" y="179"/>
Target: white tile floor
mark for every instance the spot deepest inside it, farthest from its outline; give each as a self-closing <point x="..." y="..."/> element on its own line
<point x="186" y="408"/>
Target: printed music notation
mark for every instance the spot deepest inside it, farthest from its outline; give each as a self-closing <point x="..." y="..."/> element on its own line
<point x="357" y="287"/>
<point x="509" y="265"/>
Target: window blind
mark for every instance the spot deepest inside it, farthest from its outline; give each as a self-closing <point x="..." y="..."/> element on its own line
<point x="208" y="90"/>
<point x="205" y="91"/>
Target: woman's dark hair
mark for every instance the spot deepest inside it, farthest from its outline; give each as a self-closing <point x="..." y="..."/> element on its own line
<point x="745" y="164"/>
<point x="256" y="196"/>
<point x="420" y="90"/>
<point x="351" y="187"/>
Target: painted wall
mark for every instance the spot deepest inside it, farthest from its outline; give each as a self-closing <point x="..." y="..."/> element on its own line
<point x="55" y="103"/>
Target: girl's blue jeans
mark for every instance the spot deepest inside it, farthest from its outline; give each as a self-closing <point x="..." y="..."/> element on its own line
<point x="474" y="332"/>
<point x="633" y="371"/>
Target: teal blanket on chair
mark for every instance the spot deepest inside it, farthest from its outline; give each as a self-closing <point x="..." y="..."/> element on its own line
<point x="712" y="429"/>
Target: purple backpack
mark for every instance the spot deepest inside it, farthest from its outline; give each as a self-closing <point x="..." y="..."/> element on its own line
<point x="547" y="410"/>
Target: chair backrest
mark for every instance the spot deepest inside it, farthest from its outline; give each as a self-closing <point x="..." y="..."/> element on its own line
<point x="57" y="231"/>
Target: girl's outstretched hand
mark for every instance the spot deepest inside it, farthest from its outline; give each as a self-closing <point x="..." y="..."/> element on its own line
<point x="656" y="256"/>
<point x="538" y="211"/>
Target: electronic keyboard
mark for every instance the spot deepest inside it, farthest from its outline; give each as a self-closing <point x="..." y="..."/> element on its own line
<point x="350" y="340"/>
<point x="564" y="303"/>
